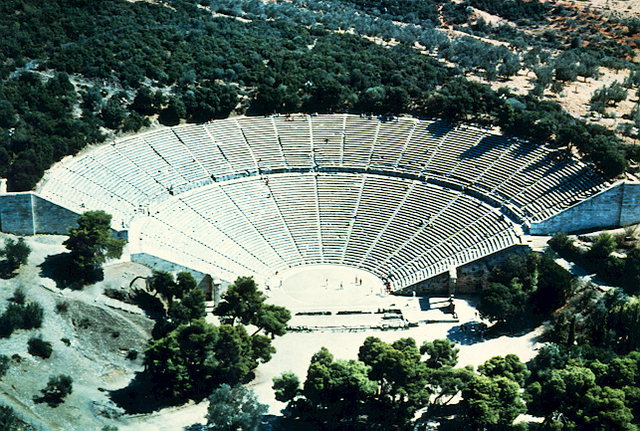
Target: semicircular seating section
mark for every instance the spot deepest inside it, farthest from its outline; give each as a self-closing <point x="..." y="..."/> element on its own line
<point x="398" y="229"/>
<point x="404" y="199"/>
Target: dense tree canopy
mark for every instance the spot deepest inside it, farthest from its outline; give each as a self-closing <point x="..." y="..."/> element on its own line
<point x="234" y="408"/>
<point x="189" y="357"/>
<point x="525" y="286"/>
<point x="112" y="71"/>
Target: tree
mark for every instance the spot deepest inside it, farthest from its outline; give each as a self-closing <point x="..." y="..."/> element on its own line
<point x="197" y="356"/>
<point x="90" y="244"/>
<point x="20" y="316"/>
<point x="183" y="363"/>
<point x="92" y="99"/>
<point x="243" y="302"/>
<point x="57" y="389"/>
<point x="597" y="407"/>
<point x="7" y="114"/>
<point x="286" y="387"/>
<point x="602" y="247"/>
<point x="162" y="282"/>
<point x="175" y="110"/>
<point x="234" y="408"/>
<point x="113" y="113"/>
<point x="565" y="67"/>
<point x="238" y="353"/>
<point x="16" y="253"/>
<point x="447" y="382"/>
<point x="38" y="347"/>
<point x="4" y="365"/>
<point x="442" y="353"/>
<point x="631" y="281"/>
<point x="401" y="376"/>
<point x="544" y="78"/>
<point x="144" y="102"/>
<point x="554" y="286"/>
<point x="8" y="419"/>
<point x="492" y="403"/>
<point x="335" y="392"/>
<point x="191" y="307"/>
<point x="508" y="366"/>
<point x="549" y="395"/>
<point x="499" y="303"/>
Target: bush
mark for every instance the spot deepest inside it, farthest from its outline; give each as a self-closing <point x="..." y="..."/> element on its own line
<point x="18" y="296"/>
<point x="8" y="419"/>
<point x="32" y="314"/>
<point x="4" y="366"/>
<point x="66" y="341"/>
<point x="39" y="347"/>
<point x="132" y="355"/>
<point x="62" y="307"/>
<point x="15" y="253"/>
<point x="20" y="316"/>
<point x="57" y="389"/>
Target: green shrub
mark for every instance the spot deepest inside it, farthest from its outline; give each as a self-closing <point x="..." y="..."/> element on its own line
<point x="39" y="347"/>
<point x="18" y="296"/>
<point x="8" y="419"/>
<point x="56" y="390"/>
<point x="32" y="314"/>
<point x="16" y="253"/>
<point x="22" y="316"/>
<point x="62" y="307"/>
<point x="4" y="365"/>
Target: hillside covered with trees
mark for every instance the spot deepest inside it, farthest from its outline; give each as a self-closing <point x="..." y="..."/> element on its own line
<point x="77" y="72"/>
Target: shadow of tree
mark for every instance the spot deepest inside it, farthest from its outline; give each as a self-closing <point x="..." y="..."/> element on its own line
<point x="151" y="305"/>
<point x="140" y="396"/>
<point x="450" y="417"/>
<point x="468" y="333"/>
<point x="476" y="332"/>
<point x="58" y="268"/>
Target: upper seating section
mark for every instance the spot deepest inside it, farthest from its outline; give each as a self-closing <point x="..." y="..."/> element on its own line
<point x="139" y="171"/>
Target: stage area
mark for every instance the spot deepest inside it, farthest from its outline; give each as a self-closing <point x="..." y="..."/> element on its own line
<point x="325" y="287"/>
<point x="338" y="298"/>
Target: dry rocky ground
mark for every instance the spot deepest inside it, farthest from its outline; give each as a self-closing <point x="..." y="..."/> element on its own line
<point x="90" y="342"/>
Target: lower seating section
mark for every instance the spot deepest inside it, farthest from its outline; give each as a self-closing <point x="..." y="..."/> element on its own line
<point x="253" y="195"/>
<point x="399" y="230"/>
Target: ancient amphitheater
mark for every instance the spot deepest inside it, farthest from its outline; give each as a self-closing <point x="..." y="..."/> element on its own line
<point x="403" y="199"/>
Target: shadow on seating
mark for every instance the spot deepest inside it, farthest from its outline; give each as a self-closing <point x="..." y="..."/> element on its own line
<point x="485" y="145"/>
<point x="439" y="128"/>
